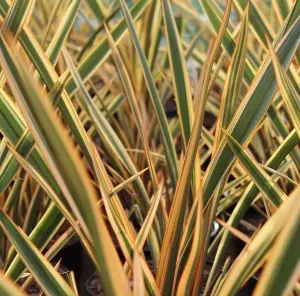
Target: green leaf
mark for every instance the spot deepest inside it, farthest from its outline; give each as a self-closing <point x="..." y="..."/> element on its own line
<point x="62" y="32"/>
<point x="41" y="235"/>
<point x="121" y="225"/>
<point x="160" y="113"/>
<point x="10" y="166"/>
<point x="97" y="8"/>
<point x="44" y="273"/>
<point x="282" y="129"/>
<point x="261" y="179"/>
<point x="49" y="76"/>
<point x="60" y="205"/>
<point x="25" y="143"/>
<point x="289" y="94"/>
<point x="257" y="250"/>
<point x="14" y="193"/>
<point x="190" y="275"/>
<point x="16" y="16"/>
<point x="3" y="150"/>
<point x="66" y="166"/>
<point x="233" y="80"/>
<point x="282" y="8"/>
<point x="100" y="53"/>
<point x="93" y="36"/>
<point x="105" y="130"/>
<point x="122" y="185"/>
<point x="179" y="72"/>
<point x="247" y="198"/>
<point x="261" y="26"/>
<point x="251" y="110"/>
<point x="282" y="269"/>
<point x="169" y="251"/>
<point x="129" y="90"/>
<point x="8" y="288"/>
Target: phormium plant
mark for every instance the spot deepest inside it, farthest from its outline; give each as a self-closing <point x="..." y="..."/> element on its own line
<point x="160" y="136"/>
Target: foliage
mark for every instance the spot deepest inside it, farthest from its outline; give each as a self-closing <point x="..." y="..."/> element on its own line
<point x="135" y="129"/>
